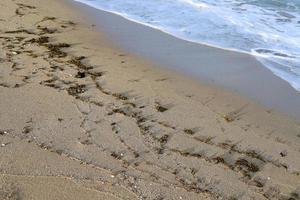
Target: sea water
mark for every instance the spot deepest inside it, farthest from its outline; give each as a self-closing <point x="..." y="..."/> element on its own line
<point x="267" y="29"/>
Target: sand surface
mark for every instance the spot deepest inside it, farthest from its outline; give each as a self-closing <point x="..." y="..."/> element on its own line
<point x="235" y="71"/>
<point x="82" y="120"/>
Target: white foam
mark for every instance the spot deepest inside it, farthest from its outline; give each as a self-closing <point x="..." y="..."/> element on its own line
<point x="195" y="4"/>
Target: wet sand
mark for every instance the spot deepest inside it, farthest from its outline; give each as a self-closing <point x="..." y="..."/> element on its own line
<point x="237" y="72"/>
<point x="82" y="119"/>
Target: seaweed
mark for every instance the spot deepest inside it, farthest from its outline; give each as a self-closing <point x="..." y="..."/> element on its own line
<point x="189" y="131"/>
<point x="219" y="160"/>
<point x="27" y="129"/>
<point x="127" y="111"/>
<point x="136" y="154"/>
<point x="295" y="196"/>
<point x="86" y="142"/>
<point x="26" y="6"/>
<point x="55" y="49"/>
<point x="234" y="115"/>
<point x="77" y="62"/>
<point x="18" y="12"/>
<point x="160" y="108"/>
<point x="46" y="30"/>
<point x="4" y="85"/>
<point x="80" y="74"/>
<point x="71" y="23"/>
<point x="47" y="19"/>
<point x="75" y="90"/>
<point x="164" y="139"/>
<point x="283" y="153"/>
<point x="59" y="151"/>
<point x="95" y="74"/>
<point x="117" y="155"/>
<point x="120" y="96"/>
<point x="258" y="183"/>
<point x="160" y="150"/>
<point x="40" y="40"/>
<point x="249" y="166"/>
<point x="204" y="139"/>
<point x="20" y="31"/>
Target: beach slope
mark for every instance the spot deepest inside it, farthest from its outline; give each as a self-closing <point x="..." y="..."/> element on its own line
<point x="80" y="119"/>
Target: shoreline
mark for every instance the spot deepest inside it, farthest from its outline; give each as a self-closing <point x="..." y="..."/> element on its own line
<point x="82" y="119"/>
<point x="239" y="51"/>
<point x="244" y="75"/>
<point x="165" y="32"/>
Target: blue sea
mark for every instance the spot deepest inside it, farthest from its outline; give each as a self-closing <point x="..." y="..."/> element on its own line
<point x="267" y="29"/>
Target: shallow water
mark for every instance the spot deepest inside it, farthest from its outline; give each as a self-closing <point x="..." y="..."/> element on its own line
<point x="268" y="29"/>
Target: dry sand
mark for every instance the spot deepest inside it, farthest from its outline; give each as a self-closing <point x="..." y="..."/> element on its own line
<point x="82" y="120"/>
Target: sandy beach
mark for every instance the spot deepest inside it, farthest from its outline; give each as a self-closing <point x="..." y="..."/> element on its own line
<point x="237" y="72"/>
<point x="82" y="119"/>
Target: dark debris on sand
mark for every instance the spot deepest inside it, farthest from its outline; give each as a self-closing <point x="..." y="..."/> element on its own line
<point x="75" y="90"/>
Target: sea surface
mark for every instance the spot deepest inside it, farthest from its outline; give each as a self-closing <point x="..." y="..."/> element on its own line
<point x="267" y="29"/>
